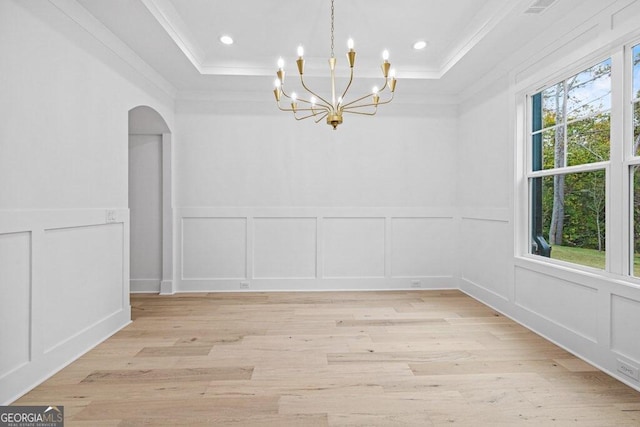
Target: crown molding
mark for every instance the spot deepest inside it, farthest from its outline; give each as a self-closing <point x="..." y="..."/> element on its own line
<point x="468" y="43"/>
<point x="79" y="15"/>
<point x="170" y="20"/>
<point x="577" y="38"/>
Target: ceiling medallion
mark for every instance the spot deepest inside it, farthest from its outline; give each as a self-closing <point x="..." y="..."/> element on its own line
<point x="320" y="108"/>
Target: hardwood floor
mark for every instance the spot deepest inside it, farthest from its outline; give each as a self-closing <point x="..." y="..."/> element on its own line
<point x="420" y="358"/>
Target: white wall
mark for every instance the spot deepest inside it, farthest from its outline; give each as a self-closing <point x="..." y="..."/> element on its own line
<point x="593" y="316"/>
<point x="262" y="202"/>
<point x="485" y="180"/>
<point x="274" y="161"/>
<point x="265" y="202"/>
<point x="64" y="228"/>
<point x="145" y="212"/>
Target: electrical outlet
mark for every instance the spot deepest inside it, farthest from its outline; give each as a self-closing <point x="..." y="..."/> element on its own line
<point x="416" y="284"/>
<point x="244" y="285"/>
<point x="111" y="216"/>
<point x="628" y="370"/>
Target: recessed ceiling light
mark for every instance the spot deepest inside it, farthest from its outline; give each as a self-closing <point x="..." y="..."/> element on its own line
<point x="421" y="44"/>
<point x="226" y="40"/>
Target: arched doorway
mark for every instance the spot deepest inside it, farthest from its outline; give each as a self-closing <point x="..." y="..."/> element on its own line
<point x="150" y="203"/>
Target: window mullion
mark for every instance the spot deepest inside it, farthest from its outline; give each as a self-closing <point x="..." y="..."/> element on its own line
<point x="565" y="101"/>
<point x="587" y="167"/>
<point x="617" y="205"/>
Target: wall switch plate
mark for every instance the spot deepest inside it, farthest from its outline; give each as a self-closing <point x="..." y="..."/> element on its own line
<point x="111" y="216"/>
<point x="244" y="285"/>
<point x="416" y="284"/>
<point x="627" y="369"/>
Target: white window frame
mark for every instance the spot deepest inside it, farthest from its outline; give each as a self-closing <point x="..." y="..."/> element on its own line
<point x="629" y="157"/>
<point x="618" y="185"/>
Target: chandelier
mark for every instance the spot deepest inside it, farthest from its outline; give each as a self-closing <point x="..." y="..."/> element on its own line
<point x="318" y="107"/>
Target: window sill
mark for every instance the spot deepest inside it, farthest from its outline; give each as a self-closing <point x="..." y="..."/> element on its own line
<point x="588" y="276"/>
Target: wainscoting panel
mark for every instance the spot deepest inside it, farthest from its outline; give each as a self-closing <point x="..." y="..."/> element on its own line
<point x="214" y="248"/>
<point x="15" y="301"/>
<point x="64" y="288"/>
<point x="625" y="324"/>
<point x="354" y="247"/>
<point x="83" y="279"/>
<point x="284" y="248"/>
<point x="314" y="248"/>
<point x="422" y="247"/>
<point x="485" y="245"/>
<point x="568" y="304"/>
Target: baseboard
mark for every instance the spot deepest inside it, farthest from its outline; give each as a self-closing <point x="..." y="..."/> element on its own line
<point x="547" y="330"/>
<point x="31" y="374"/>
<point x="144" y="286"/>
<point x="166" y="287"/>
<point x="481" y="293"/>
<point x="311" y="284"/>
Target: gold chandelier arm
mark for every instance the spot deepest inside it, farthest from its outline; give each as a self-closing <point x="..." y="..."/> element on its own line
<point x="388" y="100"/>
<point x="309" y="116"/>
<point x="327" y="104"/>
<point x="314" y="107"/>
<point x="363" y="113"/>
<point x="357" y="100"/>
<point x="346" y="109"/>
<point x="322" y="107"/>
<point x="348" y="85"/>
<point x="284" y="109"/>
<point x="315" y="111"/>
<point x="283" y="92"/>
<point x="322" y="117"/>
<point x="320" y="110"/>
<point x="366" y="96"/>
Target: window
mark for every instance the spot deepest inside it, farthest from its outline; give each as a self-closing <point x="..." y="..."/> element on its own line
<point x="570" y="153"/>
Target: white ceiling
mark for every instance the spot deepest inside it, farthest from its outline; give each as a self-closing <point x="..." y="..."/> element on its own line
<point x="466" y="38"/>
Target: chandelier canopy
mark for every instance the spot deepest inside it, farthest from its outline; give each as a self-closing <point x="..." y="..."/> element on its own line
<point x="318" y="107"/>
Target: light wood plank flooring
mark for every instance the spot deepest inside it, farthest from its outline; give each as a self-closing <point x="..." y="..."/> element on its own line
<point x="421" y="358"/>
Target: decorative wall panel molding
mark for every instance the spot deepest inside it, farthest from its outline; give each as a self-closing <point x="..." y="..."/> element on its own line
<point x="354" y="247"/>
<point x="64" y="280"/>
<point x="270" y="248"/>
<point x="625" y="322"/>
<point x="15" y="303"/>
<point x="422" y="247"/>
<point x="549" y="297"/>
<point x="285" y="248"/>
<point x="82" y="279"/>
<point x="214" y="248"/>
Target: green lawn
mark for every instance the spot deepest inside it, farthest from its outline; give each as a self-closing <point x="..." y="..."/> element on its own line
<point x="588" y="257"/>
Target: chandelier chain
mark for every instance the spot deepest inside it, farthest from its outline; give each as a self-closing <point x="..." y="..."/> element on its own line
<point x="332" y="12"/>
